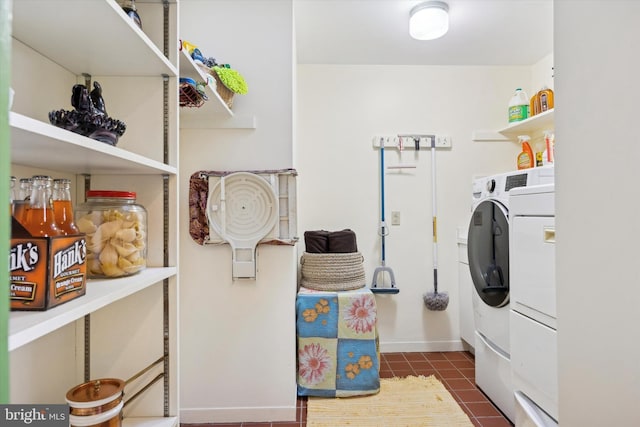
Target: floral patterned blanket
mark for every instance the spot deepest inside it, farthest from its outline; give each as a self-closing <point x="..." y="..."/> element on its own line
<point x="337" y="343"/>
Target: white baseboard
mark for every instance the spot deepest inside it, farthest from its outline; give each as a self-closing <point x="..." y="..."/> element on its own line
<point x="418" y="346"/>
<point x="237" y="415"/>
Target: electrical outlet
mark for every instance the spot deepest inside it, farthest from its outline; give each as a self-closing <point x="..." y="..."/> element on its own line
<point x="395" y="217"/>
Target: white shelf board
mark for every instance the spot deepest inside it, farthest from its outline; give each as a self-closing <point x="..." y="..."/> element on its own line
<point x="60" y="149"/>
<point x="214" y="113"/>
<point x="488" y="135"/>
<point x="537" y="123"/>
<point x="215" y="104"/>
<point x="27" y="326"/>
<point x="109" y="44"/>
<point x="150" y="422"/>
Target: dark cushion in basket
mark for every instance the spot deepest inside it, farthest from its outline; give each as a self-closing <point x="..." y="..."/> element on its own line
<point x="316" y="242"/>
<point x="342" y="242"/>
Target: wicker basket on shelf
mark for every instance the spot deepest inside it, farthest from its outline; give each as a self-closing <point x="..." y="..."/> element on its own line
<point x="225" y="93"/>
<point x="189" y="96"/>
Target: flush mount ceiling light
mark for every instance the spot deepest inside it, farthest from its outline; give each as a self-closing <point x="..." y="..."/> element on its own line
<point x="429" y="20"/>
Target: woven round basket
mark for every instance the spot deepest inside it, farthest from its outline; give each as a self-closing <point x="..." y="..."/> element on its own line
<point x="332" y="271"/>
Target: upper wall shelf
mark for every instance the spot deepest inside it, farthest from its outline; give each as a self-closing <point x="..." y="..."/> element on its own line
<point x="60" y="149"/>
<point x="532" y="126"/>
<point x="537" y="123"/>
<point x="215" y="104"/>
<point x="67" y="39"/>
<point x="214" y="113"/>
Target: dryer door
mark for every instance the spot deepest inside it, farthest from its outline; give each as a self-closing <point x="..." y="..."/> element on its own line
<point x="488" y="250"/>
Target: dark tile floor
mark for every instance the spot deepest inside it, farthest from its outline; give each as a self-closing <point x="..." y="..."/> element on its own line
<point x="456" y="370"/>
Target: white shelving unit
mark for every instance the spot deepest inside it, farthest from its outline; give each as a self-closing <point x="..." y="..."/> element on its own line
<point x="214" y="113"/>
<point x="96" y="38"/>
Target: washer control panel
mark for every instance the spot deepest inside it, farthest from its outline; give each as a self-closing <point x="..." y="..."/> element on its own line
<point x="498" y="186"/>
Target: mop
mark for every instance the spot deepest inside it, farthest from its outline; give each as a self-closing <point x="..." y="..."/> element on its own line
<point x="379" y="272"/>
<point x="436" y="301"/>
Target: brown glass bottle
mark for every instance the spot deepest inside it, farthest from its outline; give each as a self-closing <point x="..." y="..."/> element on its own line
<point x="21" y="203"/>
<point x="12" y="194"/>
<point x="41" y="220"/>
<point x="62" y="207"/>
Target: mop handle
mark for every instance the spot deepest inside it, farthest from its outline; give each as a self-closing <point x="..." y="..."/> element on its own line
<point x="382" y="182"/>
<point x="383" y="226"/>
<point x="433" y="202"/>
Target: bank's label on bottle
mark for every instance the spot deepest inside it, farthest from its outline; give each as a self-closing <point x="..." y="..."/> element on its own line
<point x="518" y="113"/>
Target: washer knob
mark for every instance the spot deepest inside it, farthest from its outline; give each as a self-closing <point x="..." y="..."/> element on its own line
<point x="491" y="185"/>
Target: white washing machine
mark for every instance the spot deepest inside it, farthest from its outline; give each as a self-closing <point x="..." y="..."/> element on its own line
<point x="488" y="254"/>
<point x="533" y="316"/>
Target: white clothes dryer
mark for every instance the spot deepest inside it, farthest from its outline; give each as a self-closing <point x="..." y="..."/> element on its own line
<point x="488" y="253"/>
<point x="534" y="344"/>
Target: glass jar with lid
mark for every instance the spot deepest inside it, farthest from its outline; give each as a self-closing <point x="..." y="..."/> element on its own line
<point x="116" y="229"/>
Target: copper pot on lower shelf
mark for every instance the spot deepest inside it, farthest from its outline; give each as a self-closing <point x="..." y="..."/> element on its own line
<point x="97" y="403"/>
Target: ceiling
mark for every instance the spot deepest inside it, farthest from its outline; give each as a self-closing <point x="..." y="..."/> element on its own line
<point x="481" y="32"/>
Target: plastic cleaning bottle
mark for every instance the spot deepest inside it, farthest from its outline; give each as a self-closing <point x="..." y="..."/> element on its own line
<point x="518" y="106"/>
<point x="525" y="158"/>
<point x="545" y="99"/>
<point x="549" y="143"/>
<point x="130" y="9"/>
<point x="534" y="105"/>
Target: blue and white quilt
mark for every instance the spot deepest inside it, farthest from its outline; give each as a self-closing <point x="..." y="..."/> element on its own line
<point x="337" y="343"/>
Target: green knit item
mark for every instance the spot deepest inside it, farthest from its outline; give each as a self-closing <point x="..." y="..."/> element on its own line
<point x="232" y="80"/>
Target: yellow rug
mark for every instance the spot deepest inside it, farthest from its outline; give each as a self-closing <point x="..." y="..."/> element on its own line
<point x="402" y="402"/>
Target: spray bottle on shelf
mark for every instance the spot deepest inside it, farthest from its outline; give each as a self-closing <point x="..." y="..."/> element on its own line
<point x="525" y="158"/>
<point x="549" y="147"/>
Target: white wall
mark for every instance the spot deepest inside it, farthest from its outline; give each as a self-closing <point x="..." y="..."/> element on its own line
<point x="596" y="212"/>
<point x="340" y="109"/>
<point x="259" y="45"/>
<point x="237" y="345"/>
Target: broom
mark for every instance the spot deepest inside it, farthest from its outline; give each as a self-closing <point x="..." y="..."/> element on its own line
<point x="380" y="271"/>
